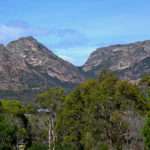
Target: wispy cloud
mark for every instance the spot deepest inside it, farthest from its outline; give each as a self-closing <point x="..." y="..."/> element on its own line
<point x="15" y="30"/>
<point x="56" y="38"/>
<point x="67" y="58"/>
<point x="65" y="38"/>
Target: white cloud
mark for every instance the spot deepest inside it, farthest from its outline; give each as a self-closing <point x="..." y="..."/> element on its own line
<point x="10" y="32"/>
<point x="58" y="37"/>
<point x="67" y="58"/>
<point x="77" y="56"/>
<point x="7" y="33"/>
<point x="70" y="44"/>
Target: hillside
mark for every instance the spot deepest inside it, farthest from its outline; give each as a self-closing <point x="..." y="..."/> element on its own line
<point x="29" y="67"/>
<point x="100" y="114"/>
<point x="130" y="61"/>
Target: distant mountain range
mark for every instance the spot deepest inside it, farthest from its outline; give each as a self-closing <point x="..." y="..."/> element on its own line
<point x="28" y="67"/>
<point x="129" y="61"/>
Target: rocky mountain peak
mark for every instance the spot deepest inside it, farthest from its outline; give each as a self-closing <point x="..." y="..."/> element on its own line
<point x="27" y="65"/>
<point x="37" y="55"/>
<point x="118" y="58"/>
<point x="27" y="45"/>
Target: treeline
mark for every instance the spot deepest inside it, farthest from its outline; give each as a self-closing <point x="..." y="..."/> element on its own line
<point x="101" y="114"/>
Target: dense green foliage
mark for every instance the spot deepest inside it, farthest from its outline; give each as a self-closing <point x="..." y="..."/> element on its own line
<point x="99" y="114"/>
<point x="145" y="82"/>
<point x="13" y="124"/>
<point x="7" y="133"/>
<point x="52" y="99"/>
<point x="38" y="147"/>
<point x="146" y="133"/>
<point x="93" y="114"/>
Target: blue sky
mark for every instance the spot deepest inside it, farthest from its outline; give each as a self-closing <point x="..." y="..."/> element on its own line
<point x="74" y="28"/>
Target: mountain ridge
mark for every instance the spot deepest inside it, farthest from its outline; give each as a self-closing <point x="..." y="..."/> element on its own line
<point x="33" y="67"/>
<point x="28" y="67"/>
<point x="118" y="58"/>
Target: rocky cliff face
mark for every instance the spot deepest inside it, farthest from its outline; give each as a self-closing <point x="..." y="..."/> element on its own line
<point x="130" y="61"/>
<point x="37" y="56"/>
<point x="11" y="66"/>
<point x="27" y="65"/>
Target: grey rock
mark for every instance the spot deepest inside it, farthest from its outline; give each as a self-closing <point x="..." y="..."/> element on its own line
<point x="28" y="66"/>
<point x="130" y="61"/>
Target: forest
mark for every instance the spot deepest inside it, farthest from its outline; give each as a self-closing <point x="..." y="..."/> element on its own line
<point x="100" y="114"/>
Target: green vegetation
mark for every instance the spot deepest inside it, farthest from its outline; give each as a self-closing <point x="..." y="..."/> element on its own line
<point x="102" y="114"/>
<point x="145" y="82"/>
<point x="146" y="133"/>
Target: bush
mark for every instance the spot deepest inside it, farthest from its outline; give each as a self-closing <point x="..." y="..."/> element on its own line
<point x="38" y="147"/>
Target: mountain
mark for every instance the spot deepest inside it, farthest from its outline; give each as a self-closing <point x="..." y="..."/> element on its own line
<point x="27" y="67"/>
<point x="129" y="61"/>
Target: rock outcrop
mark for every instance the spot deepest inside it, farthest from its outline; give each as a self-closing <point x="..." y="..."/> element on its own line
<point x="130" y="61"/>
<point x="27" y="65"/>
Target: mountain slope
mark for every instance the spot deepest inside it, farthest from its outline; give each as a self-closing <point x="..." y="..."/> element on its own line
<point x="130" y="61"/>
<point x="39" y="57"/>
<point x="27" y="65"/>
